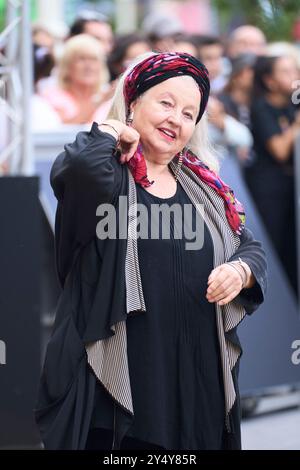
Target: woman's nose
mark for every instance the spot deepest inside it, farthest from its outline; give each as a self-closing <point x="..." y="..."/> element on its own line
<point x="174" y="117"/>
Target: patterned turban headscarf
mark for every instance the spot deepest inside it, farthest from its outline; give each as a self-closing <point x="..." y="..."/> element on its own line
<point x="159" y="67"/>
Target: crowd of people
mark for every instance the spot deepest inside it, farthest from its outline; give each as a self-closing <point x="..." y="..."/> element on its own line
<point x="250" y="110"/>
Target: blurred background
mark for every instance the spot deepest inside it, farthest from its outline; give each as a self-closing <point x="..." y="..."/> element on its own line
<point x="59" y="65"/>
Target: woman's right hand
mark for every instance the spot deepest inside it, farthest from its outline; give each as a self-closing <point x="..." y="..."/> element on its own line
<point x="128" y="137"/>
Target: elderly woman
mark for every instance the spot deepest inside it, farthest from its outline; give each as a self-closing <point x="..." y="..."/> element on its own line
<point x="82" y="90"/>
<point x="144" y="352"/>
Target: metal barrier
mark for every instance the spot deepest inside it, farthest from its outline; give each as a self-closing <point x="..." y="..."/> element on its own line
<point x="47" y="145"/>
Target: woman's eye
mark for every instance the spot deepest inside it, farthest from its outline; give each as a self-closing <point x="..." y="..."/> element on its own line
<point x="167" y="103"/>
<point x="188" y="115"/>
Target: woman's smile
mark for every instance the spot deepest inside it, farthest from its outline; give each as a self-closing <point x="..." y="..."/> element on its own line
<point x="167" y="134"/>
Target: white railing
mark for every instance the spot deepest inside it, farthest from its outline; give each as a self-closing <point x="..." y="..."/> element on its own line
<point x="16" y="88"/>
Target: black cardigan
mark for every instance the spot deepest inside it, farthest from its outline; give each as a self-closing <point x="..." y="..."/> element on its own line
<point x="92" y="275"/>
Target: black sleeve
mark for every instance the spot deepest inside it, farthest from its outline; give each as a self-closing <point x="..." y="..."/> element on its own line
<point x="87" y="173"/>
<point x="251" y="251"/>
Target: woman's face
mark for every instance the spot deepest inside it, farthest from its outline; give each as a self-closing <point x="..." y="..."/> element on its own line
<point x="284" y="74"/>
<point x="165" y="115"/>
<point x="244" y="79"/>
<point x="84" y="70"/>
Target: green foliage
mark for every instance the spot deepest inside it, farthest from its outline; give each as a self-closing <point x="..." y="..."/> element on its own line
<point x="2" y="14"/>
<point x="3" y="6"/>
<point x="275" y="17"/>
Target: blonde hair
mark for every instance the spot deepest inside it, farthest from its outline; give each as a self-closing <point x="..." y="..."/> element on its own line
<point x="86" y="45"/>
<point x="199" y="143"/>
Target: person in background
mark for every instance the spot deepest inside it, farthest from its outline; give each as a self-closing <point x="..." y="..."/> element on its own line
<point x="237" y="94"/>
<point x="162" y="30"/>
<point x="4" y="135"/>
<point x="41" y="36"/>
<point x="186" y="43"/>
<point x="225" y="131"/>
<point x="97" y="25"/>
<point x="275" y="124"/>
<point x="289" y="50"/>
<point x="284" y="48"/>
<point x="43" y="62"/>
<point x="43" y="116"/>
<point x="82" y="86"/>
<point x="246" y="39"/>
<point x="126" y="48"/>
<point x="210" y="52"/>
<point x="231" y="136"/>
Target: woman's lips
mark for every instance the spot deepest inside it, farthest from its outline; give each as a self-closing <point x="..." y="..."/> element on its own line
<point x="167" y="134"/>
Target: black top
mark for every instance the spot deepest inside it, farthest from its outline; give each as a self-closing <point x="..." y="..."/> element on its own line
<point x="267" y="121"/>
<point x="173" y="350"/>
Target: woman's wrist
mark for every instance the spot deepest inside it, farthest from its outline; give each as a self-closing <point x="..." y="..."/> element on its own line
<point x="110" y="129"/>
<point x="244" y="270"/>
<point x="250" y="279"/>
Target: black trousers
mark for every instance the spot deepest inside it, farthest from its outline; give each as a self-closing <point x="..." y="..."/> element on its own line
<point x="102" y="439"/>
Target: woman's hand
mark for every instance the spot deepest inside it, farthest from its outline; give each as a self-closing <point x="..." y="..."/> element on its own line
<point x="128" y="137"/>
<point x="225" y="283"/>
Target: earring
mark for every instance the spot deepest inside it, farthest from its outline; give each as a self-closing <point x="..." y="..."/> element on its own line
<point x="179" y="164"/>
<point x="129" y="118"/>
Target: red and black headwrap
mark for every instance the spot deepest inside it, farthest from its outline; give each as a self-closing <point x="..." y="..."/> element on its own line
<point x="159" y="67"/>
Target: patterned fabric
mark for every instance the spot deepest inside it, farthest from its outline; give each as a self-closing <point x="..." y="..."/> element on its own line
<point x="159" y="67"/>
<point x="234" y="210"/>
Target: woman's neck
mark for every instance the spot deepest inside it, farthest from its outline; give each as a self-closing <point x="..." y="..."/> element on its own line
<point x="278" y="100"/>
<point x="156" y="165"/>
<point x="81" y="92"/>
<point x="156" y="169"/>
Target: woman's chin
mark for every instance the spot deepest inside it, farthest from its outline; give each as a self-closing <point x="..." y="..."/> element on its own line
<point x="165" y="152"/>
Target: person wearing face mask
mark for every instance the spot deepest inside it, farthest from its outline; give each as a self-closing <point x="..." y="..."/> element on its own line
<point x="144" y="353"/>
